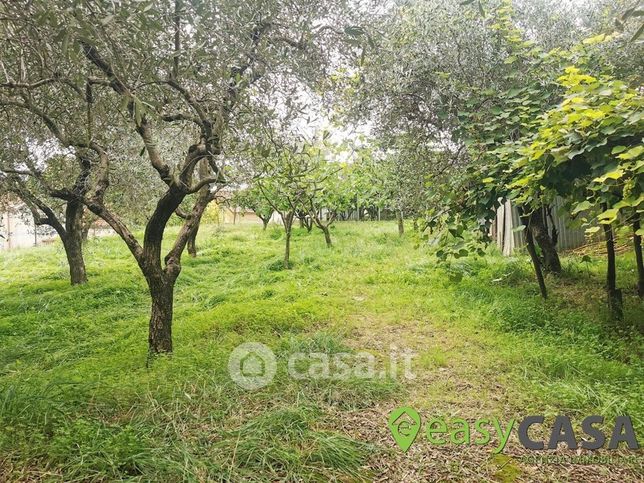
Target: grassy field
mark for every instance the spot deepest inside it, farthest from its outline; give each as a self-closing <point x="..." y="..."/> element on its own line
<point x="77" y="402"/>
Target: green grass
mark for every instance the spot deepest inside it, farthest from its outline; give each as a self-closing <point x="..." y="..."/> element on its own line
<point x="78" y="403"/>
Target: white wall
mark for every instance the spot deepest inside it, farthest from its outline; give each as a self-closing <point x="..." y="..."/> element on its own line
<point x="18" y="232"/>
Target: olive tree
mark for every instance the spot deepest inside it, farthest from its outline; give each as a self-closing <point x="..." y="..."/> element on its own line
<point x="328" y="196"/>
<point x="31" y="174"/>
<point x="91" y="71"/>
<point x="283" y="179"/>
<point x="252" y="198"/>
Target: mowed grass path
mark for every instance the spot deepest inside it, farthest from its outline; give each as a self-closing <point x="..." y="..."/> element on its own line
<point x="78" y="403"/>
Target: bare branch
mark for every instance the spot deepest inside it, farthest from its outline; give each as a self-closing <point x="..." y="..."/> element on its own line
<point x="142" y="126"/>
<point x="24" y="85"/>
<point x="49" y="122"/>
<point x="204" y="182"/>
<point x="34" y="204"/>
<point x="180" y="117"/>
<point x="190" y="100"/>
<point x="118" y="226"/>
<point x="173" y="257"/>
<point x="177" y="38"/>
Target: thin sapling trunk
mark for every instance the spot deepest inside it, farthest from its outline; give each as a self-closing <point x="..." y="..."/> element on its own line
<point x="615" y="304"/>
<point x="532" y="251"/>
<point x="401" y="223"/>
<point x="287" y="220"/>
<point x="551" y="262"/>
<point x="637" y="245"/>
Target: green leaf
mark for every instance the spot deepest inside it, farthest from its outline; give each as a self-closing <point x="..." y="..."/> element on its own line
<point x="354" y="31"/>
<point x="594" y="40"/>
<point x="138" y="111"/>
<point x="616" y="174"/>
<point x="632" y="153"/>
<point x="608" y="216"/>
<point x="584" y="205"/>
<point x="575" y="152"/>
<point x="514" y="92"/>
<point x="521" y="182"/>
<point x="463" y="252"/>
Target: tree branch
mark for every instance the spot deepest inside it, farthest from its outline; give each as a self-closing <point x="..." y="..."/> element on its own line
<point x="118" y="226"/>
<point x="24" y="85"/>
<point x="142" y="126"/>
<point x="173" y="258"/>
<point x="49" y="122"/>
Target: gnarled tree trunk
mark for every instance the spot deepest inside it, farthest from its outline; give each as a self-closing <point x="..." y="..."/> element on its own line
<point x="160" y="330"/>
<point x="192" y="239"/>
<point x="85" y="234"/>
<point x="88" y="221"/>
<point x="72" y="238"/>
<point x="74" y="253"/>
<point x="305" y="222"/>
<point x="161" y="276"/>
<point x="161" y="280"/>
<point x="71" y="233"/>
<point x="192" y="245"/>
<point x="287" y="250"/>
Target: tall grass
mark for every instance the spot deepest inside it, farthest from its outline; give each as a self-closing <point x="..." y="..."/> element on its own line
<point x="77" y="402"/>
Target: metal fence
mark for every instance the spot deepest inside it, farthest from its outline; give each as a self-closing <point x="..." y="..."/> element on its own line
<point x="509" y="239"/>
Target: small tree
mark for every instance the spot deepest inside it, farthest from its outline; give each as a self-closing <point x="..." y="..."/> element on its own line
<point x="253" y="199"/>
<point x="327" y="194"/>
<point x="284" y="183"/>
<point x="366" y="182"/>
<point x="589" y="150"/>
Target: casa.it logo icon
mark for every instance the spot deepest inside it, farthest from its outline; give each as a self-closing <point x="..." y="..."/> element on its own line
<point x="404" y="424"/>
<point x="252" y="365"/>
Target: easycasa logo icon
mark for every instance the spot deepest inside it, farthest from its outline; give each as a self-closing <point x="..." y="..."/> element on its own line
<point x="405" y="426"/>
